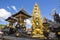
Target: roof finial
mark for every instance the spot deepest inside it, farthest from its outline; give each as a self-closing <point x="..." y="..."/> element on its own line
<point x="22" y="8"/>
<point x="53" y="11"/>
<point x="44" y="17"/>
<point x="36" y="3"/>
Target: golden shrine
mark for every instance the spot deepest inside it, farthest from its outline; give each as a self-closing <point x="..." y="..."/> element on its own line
<point x="37" y="24"/>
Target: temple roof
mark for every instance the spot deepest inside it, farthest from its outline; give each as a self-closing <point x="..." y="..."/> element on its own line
<point x="22" y="11"/>
<point x="10" y="19"/>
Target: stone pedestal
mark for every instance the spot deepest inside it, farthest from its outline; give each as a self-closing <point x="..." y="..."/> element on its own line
<point x="38" y="36"/>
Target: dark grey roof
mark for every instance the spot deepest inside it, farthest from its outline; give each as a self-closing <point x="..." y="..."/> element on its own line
<point x="22" y="11"/>
<point x="10" y="18"/>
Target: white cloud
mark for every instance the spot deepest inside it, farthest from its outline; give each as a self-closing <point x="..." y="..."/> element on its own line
<point x="59" y="14"/>
<point x="4" y="13"/>
<point x="14" y="8"/>
<point x="2" y="21"/>
<point x="8" y="7"/>
<point x="28" y="23"/>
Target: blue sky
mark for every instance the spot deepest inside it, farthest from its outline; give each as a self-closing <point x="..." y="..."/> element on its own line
<point x="46" y="6"/>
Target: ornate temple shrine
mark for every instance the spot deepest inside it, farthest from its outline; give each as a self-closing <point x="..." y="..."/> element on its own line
<point x="40" y="29"/>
